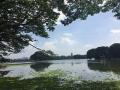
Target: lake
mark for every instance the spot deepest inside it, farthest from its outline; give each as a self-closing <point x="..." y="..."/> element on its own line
<point x="79" y="68"/>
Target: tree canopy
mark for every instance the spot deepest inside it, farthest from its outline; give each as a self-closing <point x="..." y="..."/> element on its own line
<point x="42" y="55"/>
<point x="18" y="18"/>
<point x="112" y="52"/>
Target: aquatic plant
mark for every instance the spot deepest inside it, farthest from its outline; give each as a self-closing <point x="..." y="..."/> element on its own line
<point x="53" y="83"/>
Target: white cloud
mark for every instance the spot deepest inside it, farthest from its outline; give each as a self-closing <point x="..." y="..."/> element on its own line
<point x="115" y="31"/>
<point x="49" y="46"/>
<point x="67" y="40"/>
<point x="113" y="36"/>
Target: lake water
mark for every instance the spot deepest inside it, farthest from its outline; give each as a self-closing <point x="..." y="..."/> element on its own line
<point x="82" y="68"/>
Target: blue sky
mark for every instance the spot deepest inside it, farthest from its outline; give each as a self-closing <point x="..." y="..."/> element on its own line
<point x="99" y="30"/>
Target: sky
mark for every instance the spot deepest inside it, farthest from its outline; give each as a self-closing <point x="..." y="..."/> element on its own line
<point x="99" y="30"/>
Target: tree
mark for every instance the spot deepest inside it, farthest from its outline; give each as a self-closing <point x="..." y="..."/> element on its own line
<point x="114" y="50"/>
<point x="98" y="53"/>
<point x="51" y="53"/>
<point x="79" y="56"/>
<point x="101" y="52"/>
<point x="40" y="55"/>
<point x="43" y="55"/>
<point x="18" y="18"/>
<point x="91" y="53"/>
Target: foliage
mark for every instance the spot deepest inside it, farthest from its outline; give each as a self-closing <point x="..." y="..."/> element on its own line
<point x="42" y="55"/>
<point x="2" y="59"/>
<point x="114" y="51"/>
<point x="53" y="83"/>
<point x="79" y="56"/>
<point x="53" y="74"/>
<point x="91" y="53"/>
<point x="50" y="55"/>
<point x="18" y="18"/>
<point x="105" y="52"/>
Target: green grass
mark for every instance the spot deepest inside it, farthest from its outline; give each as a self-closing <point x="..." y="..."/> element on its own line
<point x="54" y="83"/>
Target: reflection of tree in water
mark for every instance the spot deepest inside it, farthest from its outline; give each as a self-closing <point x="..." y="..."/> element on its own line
<point x="106" y="66"/>
<point x="3" y="73"/>
<point x="40" y="66"/>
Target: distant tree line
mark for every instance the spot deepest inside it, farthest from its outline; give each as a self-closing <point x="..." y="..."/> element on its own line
<point x="112" y="52"/>
<point x="49" y="55"/>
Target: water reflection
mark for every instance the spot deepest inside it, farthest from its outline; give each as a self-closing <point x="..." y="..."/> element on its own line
<point x="82" y="69"/>
<point x="40" y="66"/>
<point x="105" y="66"/>
<point x="23" y="71"/>
<point x="3" y="73"/>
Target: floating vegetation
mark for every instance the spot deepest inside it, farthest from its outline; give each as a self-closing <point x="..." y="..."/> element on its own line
<point x="59" y="79"/>
<point x="52" y="80"/>
<point x="51" y="74"/>
<point x="50" y="83"/>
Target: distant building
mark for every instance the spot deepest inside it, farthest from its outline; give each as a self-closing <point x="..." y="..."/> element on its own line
<point x="71" y="54"/>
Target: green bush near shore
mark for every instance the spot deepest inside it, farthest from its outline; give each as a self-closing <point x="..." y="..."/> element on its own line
<point x="50" y="83"/>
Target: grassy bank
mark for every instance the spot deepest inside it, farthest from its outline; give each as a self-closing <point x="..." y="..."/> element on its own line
<point x="50" y="83"/>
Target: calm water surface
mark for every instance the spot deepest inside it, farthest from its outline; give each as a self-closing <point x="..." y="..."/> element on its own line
<point x="82" y="69"/>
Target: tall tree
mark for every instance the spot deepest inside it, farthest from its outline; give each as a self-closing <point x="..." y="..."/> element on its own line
<point x="102" y="52"/>
<point x="41" y="55"/>
<point x="114" y="51"/>
<point x="91" y="53"/>
<point x="18" y="18"/>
